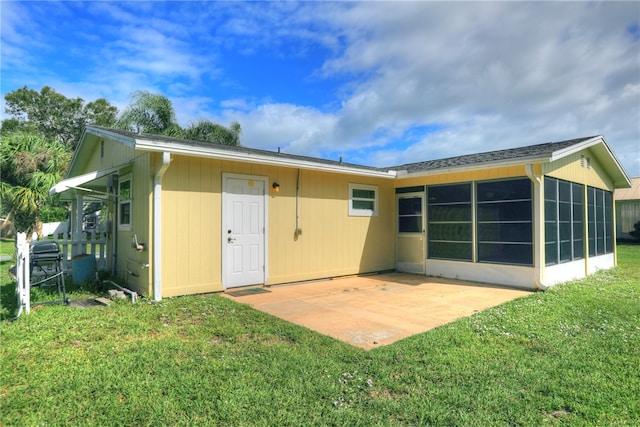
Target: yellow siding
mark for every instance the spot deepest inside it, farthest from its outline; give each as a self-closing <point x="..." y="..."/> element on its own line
<point x="331" y="243"/>
<point x="129" y="260"/>
<point x="466" y="176"/>
<point x="115" y="154"/>
<point x="191" y="226"/>
<point x="573" y="168"/>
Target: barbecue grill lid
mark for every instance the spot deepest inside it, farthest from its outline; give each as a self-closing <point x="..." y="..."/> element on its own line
<point x="45" y="248"/>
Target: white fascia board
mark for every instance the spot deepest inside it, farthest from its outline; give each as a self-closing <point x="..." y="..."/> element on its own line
<point x="211" y="152"/>
<point x="559" y="154"/>
<point x="522" y="161"/>
<point x="605" y="156"/>
<point x="113" y="136"/>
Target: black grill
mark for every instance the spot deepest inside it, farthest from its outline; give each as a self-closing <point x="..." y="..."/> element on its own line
<point x="46" y="265"/>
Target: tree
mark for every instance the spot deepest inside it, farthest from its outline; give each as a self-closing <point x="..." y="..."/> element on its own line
<point x="149" y="113"/>
<point x="31" y="165"/>
<point x="206" y="130"/>
<point x="100" y="112"/>
<point x="153" y="113"/>
<point x="53" y="115"/>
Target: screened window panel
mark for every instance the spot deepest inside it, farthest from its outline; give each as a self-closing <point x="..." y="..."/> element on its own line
<point x="577" y="194"/>
<point x="550" y="232"/>
<point x="505" y="227"/>
<point x="578" y="249"/>
<point x="564" y="211"/>
<point x="453" y="212"/>
<point x="449" y="193"/>
<point x="410" y="224"/>
<point x="457" y="232"/>
<point x="504" y="232"/>
<point x="592" y="246"/>
<point x="551" y="253"/>
<point x="505" y="211"/>
<point x="449" y="222"/>
<point x="578" y="231"/>
<point x="564" y="191"/>
<point x="515" y="189"/>
<point x="568" y="244"/>
<point x="550" y="185"/>
<point x="410" y="206"/>
<point x="608" y="244"/>
<point x="565" y="250"/>
<point x="550" y="210"/>
<point x="506" y="253"/>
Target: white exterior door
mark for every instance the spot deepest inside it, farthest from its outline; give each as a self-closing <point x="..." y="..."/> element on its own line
<point x="243" y="230"/>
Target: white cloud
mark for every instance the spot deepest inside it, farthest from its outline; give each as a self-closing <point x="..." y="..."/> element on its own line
<point x="493" y="75"/>
<point x="413" y="80"/>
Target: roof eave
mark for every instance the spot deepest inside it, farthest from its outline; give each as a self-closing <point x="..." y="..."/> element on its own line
<point x="473" y="167"/>
<point x="215" y="153"/>
<point x="620" y="179"/>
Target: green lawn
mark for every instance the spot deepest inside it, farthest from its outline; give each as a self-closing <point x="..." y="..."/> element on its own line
<point x="7" y="247"/>
<point x="568" y="356"/>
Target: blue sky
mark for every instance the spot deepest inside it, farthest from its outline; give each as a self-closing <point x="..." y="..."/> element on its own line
<point x="378" y="83"/>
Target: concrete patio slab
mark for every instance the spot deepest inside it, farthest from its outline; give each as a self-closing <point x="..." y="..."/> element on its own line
<point x="376" y="310"/>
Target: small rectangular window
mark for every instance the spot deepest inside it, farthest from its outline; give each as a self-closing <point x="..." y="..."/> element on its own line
<point x="363" y="200"/>
<point x="124" y="204"/>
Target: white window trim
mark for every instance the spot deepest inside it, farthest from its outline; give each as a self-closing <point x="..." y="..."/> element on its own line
<point x="363" y="212"/>
<point x="121" y="226"/>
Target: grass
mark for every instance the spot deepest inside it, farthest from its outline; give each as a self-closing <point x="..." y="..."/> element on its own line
<point x="568" y="356"/>
<point x="7" y="247"/>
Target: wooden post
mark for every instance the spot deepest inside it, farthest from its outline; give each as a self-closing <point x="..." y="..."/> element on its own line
<point x="23" y="271"/>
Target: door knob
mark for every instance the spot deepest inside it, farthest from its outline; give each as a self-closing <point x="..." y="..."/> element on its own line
<point x="231" y="239"/>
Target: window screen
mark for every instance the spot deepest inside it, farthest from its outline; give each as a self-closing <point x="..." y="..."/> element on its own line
<point x="504" y="221"/>
<point x="563" y="221"/>
<point x="450" y="230"/>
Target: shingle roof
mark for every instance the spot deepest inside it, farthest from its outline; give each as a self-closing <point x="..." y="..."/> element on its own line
<point x="245" y="150"/>
<point x="521" y="153"/>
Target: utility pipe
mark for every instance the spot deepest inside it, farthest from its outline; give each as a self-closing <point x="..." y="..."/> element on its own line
<point x="298" y="231"/>
<point x="538" y="254"/>
<point x="157" y="225"/>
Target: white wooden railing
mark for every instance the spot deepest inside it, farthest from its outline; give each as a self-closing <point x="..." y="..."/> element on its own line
<point x="93" y="243"/>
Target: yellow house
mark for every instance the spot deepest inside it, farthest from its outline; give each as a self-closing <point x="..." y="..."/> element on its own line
<point x="189" y="217"/>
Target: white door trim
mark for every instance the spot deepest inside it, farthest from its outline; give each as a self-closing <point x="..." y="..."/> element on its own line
<point x="223" y="258"/>
<point x="421" y="235"/>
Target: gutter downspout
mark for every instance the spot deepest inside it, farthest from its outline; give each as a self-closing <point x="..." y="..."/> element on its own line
<point x="157" y="225"/>
<point x="298" y="230"/>
<point x="538" y="254"/>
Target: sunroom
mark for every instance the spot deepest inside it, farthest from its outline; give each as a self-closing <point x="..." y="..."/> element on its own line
<point x="529" y="217"/>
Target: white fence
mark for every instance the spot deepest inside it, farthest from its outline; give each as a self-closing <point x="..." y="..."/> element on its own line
<point x="93" y="243"/>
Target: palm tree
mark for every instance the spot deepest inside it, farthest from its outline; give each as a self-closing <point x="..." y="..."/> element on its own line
<point x="31" y="164"/>
<point x="206" y="130"/>
<point x="149" y="113"/>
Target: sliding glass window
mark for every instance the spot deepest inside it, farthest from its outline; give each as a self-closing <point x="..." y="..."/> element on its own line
<point x="449" y="218"/>
<point x="504" y="222"/>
